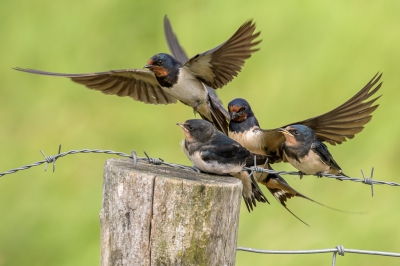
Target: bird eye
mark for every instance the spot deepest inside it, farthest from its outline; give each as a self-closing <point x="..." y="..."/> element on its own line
<point x="189" y="127"/>
<point x="160" y="62"/>
<point x="242" y="109"/>
<point x="296" y="132"/>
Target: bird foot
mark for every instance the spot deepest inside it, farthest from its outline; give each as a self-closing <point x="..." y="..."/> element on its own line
<point x="301" y="174"/>
<point x="319" y="174"/>
<point x="195" y="169"/>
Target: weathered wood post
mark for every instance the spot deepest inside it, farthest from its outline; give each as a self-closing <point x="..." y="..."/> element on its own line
<point x="159" y="215"/>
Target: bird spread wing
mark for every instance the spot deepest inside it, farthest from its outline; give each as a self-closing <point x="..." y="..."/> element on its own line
<point x="139" y="84"/>
<point x="349" y="118"/>
<point x="337" y="125"/>
<point x="173" y="43"/>
<point x="218" y="66"/>
<point x="219" y="114"/>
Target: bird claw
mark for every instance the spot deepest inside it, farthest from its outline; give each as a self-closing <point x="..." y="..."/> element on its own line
<point x="301" y="174"/>
<point x="195" y="169"/>
<point x="319" y="174"/>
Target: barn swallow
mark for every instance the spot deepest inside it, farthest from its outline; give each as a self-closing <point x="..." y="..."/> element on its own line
<point x="213" y="152"/>
<point x="221" y="116"/>
<point x="167" y="80"/>
<point x="333" y="127"/>
<point x="306" y="153"/>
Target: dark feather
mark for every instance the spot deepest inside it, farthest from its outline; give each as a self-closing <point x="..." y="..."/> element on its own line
<point x="139" y="84"/>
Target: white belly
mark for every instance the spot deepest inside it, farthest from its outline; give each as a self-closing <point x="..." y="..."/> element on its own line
<point x="310" y="164"/>
<point x="188" y="89"/>
<point x="251" y="140"/>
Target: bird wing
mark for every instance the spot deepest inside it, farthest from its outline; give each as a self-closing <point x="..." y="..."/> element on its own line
<point x="173" y="43"/>
<point x="219" y="114"/>
<point x="224" y="152"/>
<point x="218" y="66"/>
<point x="139" y="84"/>
<point x="326" y="157"/>
<point x="337" y="125"/>
<point x="349" y="118"/>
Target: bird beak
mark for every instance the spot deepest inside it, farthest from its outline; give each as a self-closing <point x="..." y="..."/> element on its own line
<point x="150" y="64"/>
<point x="284" y="131"/>
<point x="234" y="115"/>
<point x="182" y="126"/>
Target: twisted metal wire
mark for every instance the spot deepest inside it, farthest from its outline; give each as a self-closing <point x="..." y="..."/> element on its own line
<point x="337" y="250"/>
<point x="53" y="158"/>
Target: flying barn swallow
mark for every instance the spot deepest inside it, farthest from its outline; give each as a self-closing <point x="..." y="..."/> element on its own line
<point x="333" y="127"/>
<point x="306" y="153"/>
<point x="213" y="152"/>
<point x="168" y="80"/>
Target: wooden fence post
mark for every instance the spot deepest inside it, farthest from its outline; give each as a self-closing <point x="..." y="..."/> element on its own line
<point x="159" y="215"/>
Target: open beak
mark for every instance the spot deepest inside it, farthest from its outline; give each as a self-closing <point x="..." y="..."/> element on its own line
<point x="284" y="131"/>
<point x="150" y="64"/>
<point x="182" y="126"/>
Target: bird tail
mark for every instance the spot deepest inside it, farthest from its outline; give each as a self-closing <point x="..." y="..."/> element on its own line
<point x="282" y="191"/>
<point x="251" y="191"/>
<point x="219" y="114"/>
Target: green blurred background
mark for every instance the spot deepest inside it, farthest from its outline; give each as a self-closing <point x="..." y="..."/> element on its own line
<point x="314" y="56"/>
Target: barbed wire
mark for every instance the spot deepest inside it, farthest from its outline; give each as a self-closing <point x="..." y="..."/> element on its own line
<point x="53" y="158"/>
<point x="158" y="161"/>
<point x="337" y="250"/>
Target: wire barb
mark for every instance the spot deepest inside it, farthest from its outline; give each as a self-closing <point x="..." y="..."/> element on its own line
<point x="340" y="251"/>
<point x="51" y="159"/>
<point x="154" y="161"/>
<point x="369" y="180"/>
<point x="134" y="157"/>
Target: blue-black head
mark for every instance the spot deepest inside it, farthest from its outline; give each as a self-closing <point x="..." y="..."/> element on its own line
<point x="197" y="130"/>
<point x="162" y="64"/>
<point x="297" y="135"/>
<point x="239" y="110"/>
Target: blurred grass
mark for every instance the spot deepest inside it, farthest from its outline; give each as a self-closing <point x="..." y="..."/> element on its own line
<point x="314" y="56"/>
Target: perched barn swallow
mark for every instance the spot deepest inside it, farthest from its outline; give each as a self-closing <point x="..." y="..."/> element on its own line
<point x="168" y="80"/>
<point x="213" y="152"/>
<point x="222" y="116"/>
<point x="306" y="153"/>
<point x="334" y="127"/>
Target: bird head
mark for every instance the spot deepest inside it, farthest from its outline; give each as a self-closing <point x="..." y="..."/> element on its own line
<point x="197" y="130"/>
<point x="162" y="64"/>
<point x="297" y="135"/>
<point x="239" y="110"/>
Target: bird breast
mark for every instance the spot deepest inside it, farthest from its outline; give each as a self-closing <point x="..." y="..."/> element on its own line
<point x="251" y="139"/>
<point x="309" y="164"/>
<point x="189" y="88"/>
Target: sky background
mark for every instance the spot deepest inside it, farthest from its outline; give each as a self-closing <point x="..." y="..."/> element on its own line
<point x="314" y="56"/>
